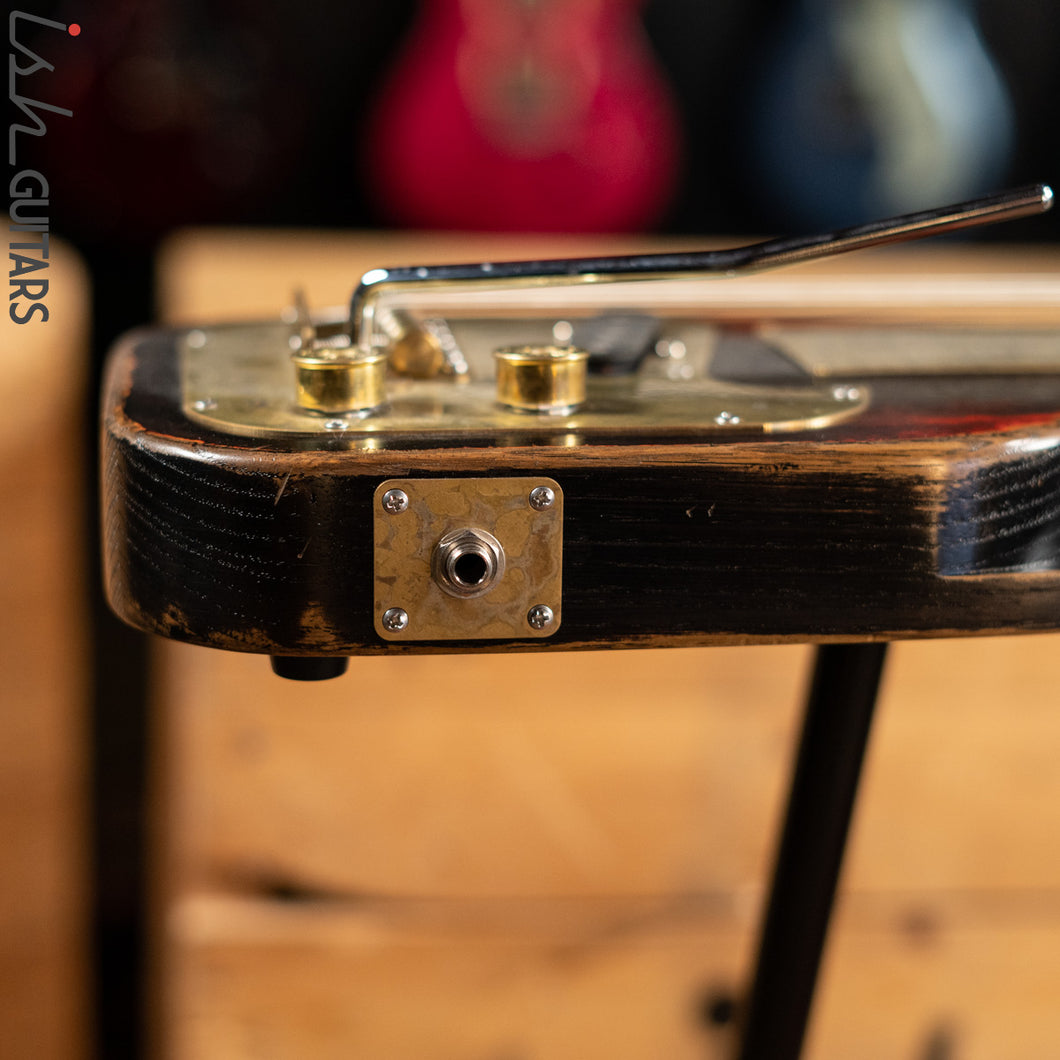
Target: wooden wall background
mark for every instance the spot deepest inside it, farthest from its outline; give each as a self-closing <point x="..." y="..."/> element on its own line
<point x="43" y="663"/>
<point x="563" y="856"/>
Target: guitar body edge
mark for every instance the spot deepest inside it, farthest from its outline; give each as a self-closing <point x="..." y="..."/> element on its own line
<point x="841" y="534"/>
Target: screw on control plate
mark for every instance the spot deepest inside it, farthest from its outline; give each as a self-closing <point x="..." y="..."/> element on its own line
<point x="395" y="619"/>
<point x="395" y="501"/>
<point x="541" y="498"/>
<point x="540" y="616"/>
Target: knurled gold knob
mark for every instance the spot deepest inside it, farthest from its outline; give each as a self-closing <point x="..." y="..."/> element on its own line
<point x="547" y="379"/>
<point x="341" y="384"/>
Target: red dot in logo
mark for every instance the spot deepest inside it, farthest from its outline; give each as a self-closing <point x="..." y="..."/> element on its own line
<point x="73" y="29"/>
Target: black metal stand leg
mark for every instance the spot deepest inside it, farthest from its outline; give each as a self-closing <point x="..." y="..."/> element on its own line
<point x="835" y="732"/>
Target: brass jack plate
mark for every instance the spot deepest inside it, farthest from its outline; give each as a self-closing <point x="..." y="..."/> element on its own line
<point x="468" y="558"/>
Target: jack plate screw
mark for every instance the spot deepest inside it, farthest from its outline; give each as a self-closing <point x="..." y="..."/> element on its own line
<point x="395" y="619"/>
<point x="395" y="502"/>
<point x="540" y="616"/>
<point x="541" y="498"/>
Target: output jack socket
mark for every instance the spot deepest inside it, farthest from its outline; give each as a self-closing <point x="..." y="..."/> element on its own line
<point x="467" y="562"/>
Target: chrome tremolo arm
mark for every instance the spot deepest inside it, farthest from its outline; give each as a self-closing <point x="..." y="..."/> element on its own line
<point x="773" y="253"/>
<point x="345" y="372"/>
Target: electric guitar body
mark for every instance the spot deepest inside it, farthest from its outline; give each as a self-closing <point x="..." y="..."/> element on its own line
<point x="395" y="481"/>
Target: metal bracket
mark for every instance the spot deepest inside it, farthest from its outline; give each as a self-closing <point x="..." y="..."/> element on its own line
<point x="468" y="558"/>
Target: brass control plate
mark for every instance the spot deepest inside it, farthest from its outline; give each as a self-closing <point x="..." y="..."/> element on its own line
<point x="407" y="534"/>
<point x="240" y="379"/>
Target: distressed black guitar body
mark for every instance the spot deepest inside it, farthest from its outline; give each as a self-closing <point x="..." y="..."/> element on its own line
<point x="711" y="485"/>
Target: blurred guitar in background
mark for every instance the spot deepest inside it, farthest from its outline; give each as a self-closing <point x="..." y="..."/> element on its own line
<point x="875" y="106"/>
<point x="532" y="115"/>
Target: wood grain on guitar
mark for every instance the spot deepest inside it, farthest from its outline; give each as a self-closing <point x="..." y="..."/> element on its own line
<point x="728" y="479"/>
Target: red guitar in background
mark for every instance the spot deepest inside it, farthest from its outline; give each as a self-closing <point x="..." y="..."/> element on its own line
<point x="528" y="115"/>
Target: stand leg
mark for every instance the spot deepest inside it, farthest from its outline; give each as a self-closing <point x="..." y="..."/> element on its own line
<point x="835" y="732"/>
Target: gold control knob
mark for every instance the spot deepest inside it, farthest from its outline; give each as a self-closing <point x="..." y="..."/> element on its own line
<point x="541" y="378"/>
<point x="413" y="350"/>
<point x="341" y="384"/>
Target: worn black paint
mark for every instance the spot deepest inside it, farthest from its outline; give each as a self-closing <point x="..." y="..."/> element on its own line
<point x="254" y="545"/>
<point x="1004" y="517"/>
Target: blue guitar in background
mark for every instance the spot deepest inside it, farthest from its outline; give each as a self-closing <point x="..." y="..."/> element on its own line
<point x="877" y="106"/>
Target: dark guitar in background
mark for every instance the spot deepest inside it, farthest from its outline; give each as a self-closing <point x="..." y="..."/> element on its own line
<point x="188" y="112"/>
